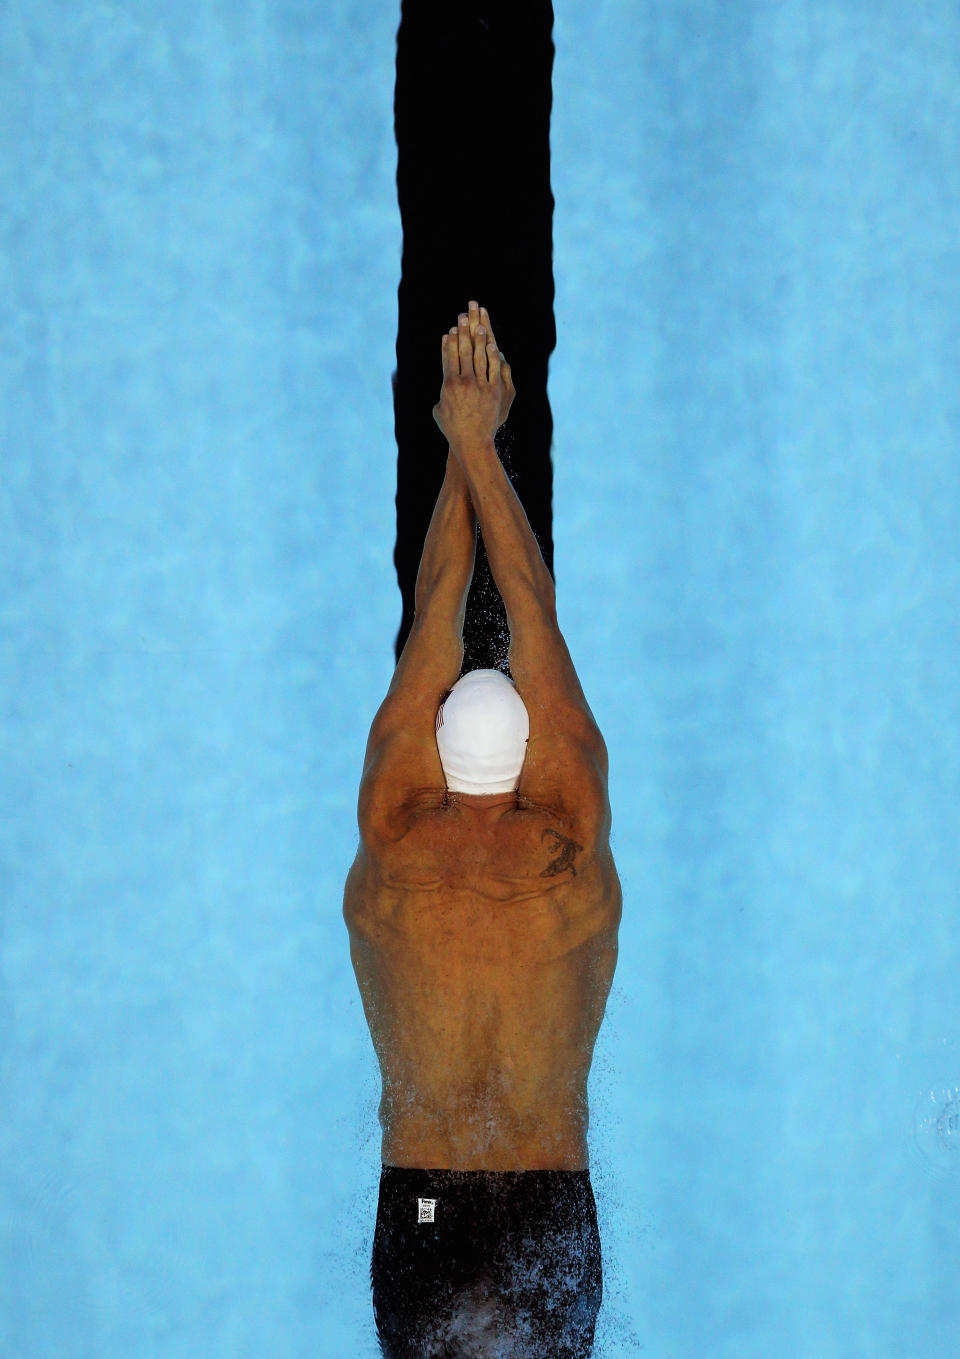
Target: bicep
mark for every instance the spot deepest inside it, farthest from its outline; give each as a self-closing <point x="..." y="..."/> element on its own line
<point x="566" y="764"/>
<point x="545" y="676"/>
<point x="426" y="672"/>
<point x="428" y="668"/>
<point x="568" y="773"/>
<point x="401" y="766"/>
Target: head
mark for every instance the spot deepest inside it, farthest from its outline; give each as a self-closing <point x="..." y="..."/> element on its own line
<point x="482" y="733"/>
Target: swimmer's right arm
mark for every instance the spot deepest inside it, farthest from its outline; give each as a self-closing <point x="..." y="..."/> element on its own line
<point x="516" y="561"/>
<point x="540" y="662"/>
<point x="471" y="408"/>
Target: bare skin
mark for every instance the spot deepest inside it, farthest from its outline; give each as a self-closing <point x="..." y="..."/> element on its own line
<point x="481" y="332"/>
<point x="483" y="929"/>
<point x="484" y="945"/>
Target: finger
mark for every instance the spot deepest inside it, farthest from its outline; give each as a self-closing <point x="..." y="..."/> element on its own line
<point x="451" y="361"/>
<point x="465" y="345"/>
<point x="485" y="321"/>
<point x="480" y="354"/>
<point x="493" y="362"/>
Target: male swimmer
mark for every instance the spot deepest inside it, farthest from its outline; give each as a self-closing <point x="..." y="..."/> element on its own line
<point x="483" y="909"/>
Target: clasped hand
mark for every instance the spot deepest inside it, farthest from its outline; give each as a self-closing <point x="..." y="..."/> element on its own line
<point x="477" y="390"/>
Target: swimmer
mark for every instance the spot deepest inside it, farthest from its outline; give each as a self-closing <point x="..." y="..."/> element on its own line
<point x="484" y="904"/>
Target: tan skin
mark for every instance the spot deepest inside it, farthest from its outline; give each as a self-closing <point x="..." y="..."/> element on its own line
<point x="486" y="808"/>
<point x="460" y="360"/>
<point x="483" y="929"/>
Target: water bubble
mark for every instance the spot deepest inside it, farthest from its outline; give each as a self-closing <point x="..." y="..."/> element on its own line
<point x="936" y="1127"/>
<point x="928" y="1100"/>
<point x="948" y="1125"/>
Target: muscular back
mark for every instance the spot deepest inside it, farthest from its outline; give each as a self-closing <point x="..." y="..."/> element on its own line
<point x="484" y="949"/>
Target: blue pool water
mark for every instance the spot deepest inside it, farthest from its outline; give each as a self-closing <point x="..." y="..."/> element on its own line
<point x="757" y="524"/>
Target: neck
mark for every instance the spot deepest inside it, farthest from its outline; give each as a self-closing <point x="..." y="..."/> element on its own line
<point x="482" y="800"/>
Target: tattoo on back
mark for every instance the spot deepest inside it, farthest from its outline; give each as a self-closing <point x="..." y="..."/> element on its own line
<point x="566" y="852"/>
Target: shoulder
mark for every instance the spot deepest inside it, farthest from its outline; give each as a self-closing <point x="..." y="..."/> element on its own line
<point x="401" y="771"/>
<point x="567" y="771"/>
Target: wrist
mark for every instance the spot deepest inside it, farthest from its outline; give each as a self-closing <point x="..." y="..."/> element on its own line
<point x="455" y="474"/>
<point x="473" y="446"/>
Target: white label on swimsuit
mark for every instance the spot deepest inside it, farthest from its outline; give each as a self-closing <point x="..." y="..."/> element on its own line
<point x="425" y="1209"/>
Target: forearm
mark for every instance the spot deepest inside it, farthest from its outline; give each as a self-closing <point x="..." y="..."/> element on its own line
<point x="449" y="549"/>
<point x="516" y="561"/>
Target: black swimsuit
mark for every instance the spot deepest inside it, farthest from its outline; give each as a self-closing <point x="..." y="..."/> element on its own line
<point x="507" y="1260"/>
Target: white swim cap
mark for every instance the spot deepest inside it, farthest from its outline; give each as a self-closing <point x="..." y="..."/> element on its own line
<point x="482" y="732"/>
